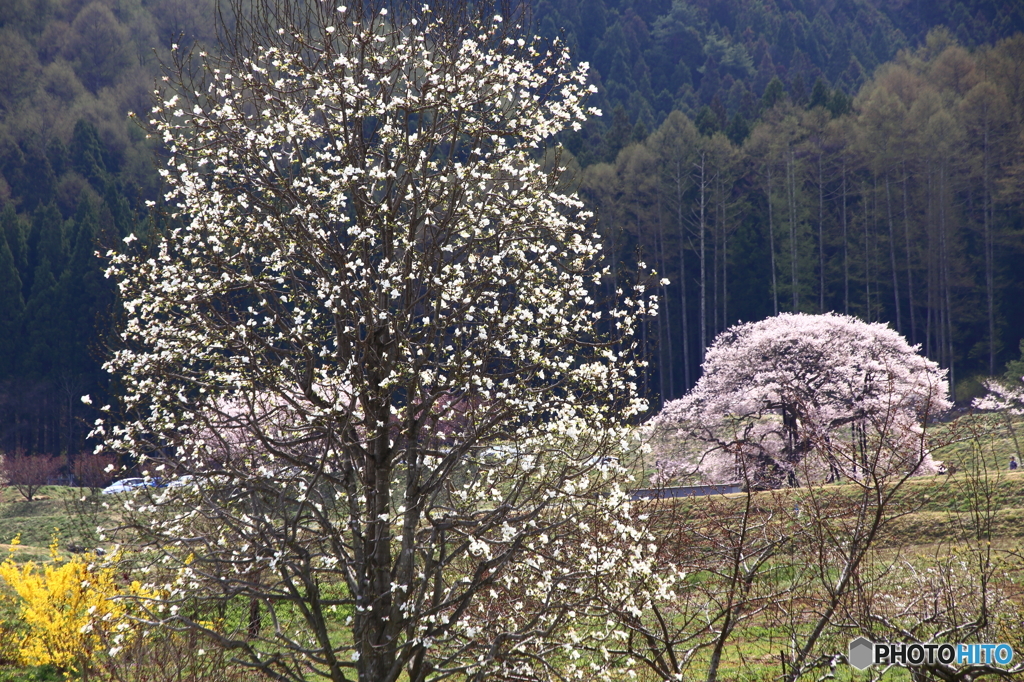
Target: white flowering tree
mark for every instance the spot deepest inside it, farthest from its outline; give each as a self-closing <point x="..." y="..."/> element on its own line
<point x="795" y="396"/>
<point x="372" y="343"/>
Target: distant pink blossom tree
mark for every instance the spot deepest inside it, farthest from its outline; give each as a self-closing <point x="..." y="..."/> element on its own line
<point x="795" y="396"/>
<point x="1006" y="393"/>
<point x="1001" y="397"/>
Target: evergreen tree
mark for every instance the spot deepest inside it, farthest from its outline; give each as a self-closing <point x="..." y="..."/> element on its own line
<point x="58" y="155"/>
<point x="14" y="231"/>
<point x="12" y="307"/>
<point x="83" y="291"/>
<point x="38" y="176"/>
<point x="47" y="240"/>
<point x="707" y="121"/>
<point x="87" y="154"/>
<point x="123" y="219"/>
<point x="618" y="135"/>
<point x="785" y="44"/>
<point x="594" y="24"/>
<point x="12" y="166"/>
<point x="710" y="80"/>
<point x="738" y="129"/>
<point x="774" y="93"/>
<point x="44" y="330"/>
<point x="819" y="95"/>
<point x="839" y="103"/>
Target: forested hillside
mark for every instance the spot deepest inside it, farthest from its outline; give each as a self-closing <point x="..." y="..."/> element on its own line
<point x="907" y="209"/>
<point x="765" y="156"/>
<point x="74" y="178"/>
<point x="714" y="59"/>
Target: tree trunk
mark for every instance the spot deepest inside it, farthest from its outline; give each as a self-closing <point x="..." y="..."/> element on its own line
<point x="947" y="283"/>
<point x="867" y="259"/>
<point x="681" y="225"/>
<point x="703" y="268"/>
<point x="666" y="380"/>
<point x="771" y="240"/>
<point x="846" y="250"/>
<point x="725" y="266"/>
<point x="910" y="273"/>
<point x="793" y="252"/>
<point x="821" y="240"/>
<point x="990" y="293"/>
<point x="892" y="256"/>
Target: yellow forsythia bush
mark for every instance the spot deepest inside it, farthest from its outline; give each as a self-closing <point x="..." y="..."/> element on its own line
<point x="66" y="608"/>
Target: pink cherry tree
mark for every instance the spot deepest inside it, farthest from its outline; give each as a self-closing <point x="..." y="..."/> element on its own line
<point x="800" y="397"/>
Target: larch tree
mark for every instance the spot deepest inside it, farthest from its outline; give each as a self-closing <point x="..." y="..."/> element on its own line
<point x="372" y="343"/>
<point x="674" y="143"/>
<point x="801" y="396"/>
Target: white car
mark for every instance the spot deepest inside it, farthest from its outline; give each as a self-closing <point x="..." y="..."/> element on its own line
<point x="126" y="485"/>
<point x="181" y="481"/>
<point x="603" y="462"/>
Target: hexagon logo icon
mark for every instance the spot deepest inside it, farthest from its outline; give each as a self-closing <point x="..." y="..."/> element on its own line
<point x="861" y="653"/>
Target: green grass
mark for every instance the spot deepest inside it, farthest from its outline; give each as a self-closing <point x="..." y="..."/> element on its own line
<point x="983" y="441"/>
<point x="36" y="673"/>
<point x="939" y="506"/>
<point x="56" y="509"/>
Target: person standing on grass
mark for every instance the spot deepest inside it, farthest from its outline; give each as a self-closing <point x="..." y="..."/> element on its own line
<point x="1013" y="463"/>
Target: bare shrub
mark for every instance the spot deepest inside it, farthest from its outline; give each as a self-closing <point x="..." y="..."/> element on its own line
<point x="28" y="473"/>
<point x="172" y="656"/>
<point x="93" y="471"/>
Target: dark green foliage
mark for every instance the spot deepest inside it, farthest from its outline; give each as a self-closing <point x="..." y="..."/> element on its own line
<point x="48" y="239"/>
<point x="44" y="324"/>
<point x="618" y="136"/>
<point x="16" y="234"/>
<point x="86" y="154"/>
<point x="12" y="165"/>
<point x="669" y="54"/>
<point x="1014" y="374"/>
<point x="839" y="103"/>
<point x="738" y="129"/>
<point x="773" y="94"/>
<point x="799" y="91"/>
<point x="55" y="304"/>
<point x="592" y="23"/>
<point x="819" y="95"/>
<point x="75" y="174"/>
<point x="707" y="122"/>
<point x="785" y="43"/>
<point x="39" y="176"/>
<point x="639" y="132"/>
<point x="12" y="307"/>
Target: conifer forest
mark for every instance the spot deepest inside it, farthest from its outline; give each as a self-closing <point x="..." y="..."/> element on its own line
<point x="762" y="156"/>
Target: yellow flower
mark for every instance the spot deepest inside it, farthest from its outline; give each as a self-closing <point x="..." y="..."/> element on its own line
<point x="66" y="607"/>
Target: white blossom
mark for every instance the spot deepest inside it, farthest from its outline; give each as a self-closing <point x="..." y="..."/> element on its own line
<point x="371" y="339"/>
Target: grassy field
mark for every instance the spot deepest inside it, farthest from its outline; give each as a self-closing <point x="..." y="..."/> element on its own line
<point x="980" y="504"/>
<point x="979" y="450"/>
<point x="72" y="514"/>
